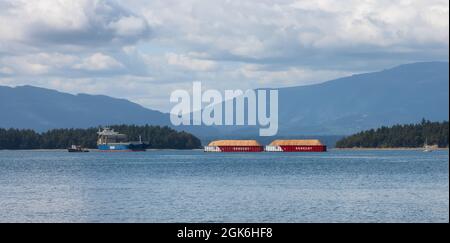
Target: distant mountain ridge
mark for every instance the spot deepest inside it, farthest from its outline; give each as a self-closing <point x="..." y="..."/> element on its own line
<point x="42" y="109"/>
<point x="403" y="94"/>
<point x="400" y="95"/>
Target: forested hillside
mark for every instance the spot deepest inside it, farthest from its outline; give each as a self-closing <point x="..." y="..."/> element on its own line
<point x="156" y="136"/>
<point x="411" y="135"/>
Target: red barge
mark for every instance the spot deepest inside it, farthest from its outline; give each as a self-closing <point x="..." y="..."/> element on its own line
<point x="234" y="146"/>
<point x="312" y="145"/>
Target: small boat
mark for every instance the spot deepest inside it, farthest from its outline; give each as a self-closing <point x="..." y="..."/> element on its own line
<point x="427" y="148"/>
<point x="77" y="149"/>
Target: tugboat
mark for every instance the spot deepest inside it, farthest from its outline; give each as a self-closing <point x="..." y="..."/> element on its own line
<point x="77" y="149"/>
<point x="111" y="141"/>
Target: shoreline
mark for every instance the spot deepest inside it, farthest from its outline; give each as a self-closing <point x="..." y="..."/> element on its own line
<point x="91" y="150"/>
<point x="394" y="149"/>
<point x="201" y="150"/>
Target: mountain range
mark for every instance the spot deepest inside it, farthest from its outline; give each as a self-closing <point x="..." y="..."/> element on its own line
<point x="403" y="94"/>
<point x="43" y="109"/>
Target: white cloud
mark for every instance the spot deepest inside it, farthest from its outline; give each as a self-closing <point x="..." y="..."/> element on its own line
<point x="70" y="22"/>
<point x="288" y="77"/>
<point x="41" y="63"/>
<point x="6" y="71"/>
<point x="190" y="63"/>
<point x="26" y="65"/>
<point x="129" y="26"/>
<point x="99" y="62"/>
<point x="268" y="29"/>
<point x="86" y="44"/>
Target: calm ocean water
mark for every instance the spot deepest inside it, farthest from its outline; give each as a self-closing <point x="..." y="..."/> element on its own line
<point x="192" y="186"/>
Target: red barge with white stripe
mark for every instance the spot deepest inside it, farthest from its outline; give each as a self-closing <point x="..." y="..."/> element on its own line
<point x="312" y="145"/>
<point x="276" y="146"/>
<point x="234" y="146"/>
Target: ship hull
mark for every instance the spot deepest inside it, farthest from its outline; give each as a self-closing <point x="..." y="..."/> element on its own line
<point x="234" y="149"/>
<point x="121" y="147"/>
<point x="77" y="150"/>
<point x="297" y="148"/>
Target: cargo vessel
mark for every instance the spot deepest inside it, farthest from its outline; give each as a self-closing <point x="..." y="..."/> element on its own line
<point x="112" y="141"/>
<point x="312" y="145"/>
<point x="234" y="146"/>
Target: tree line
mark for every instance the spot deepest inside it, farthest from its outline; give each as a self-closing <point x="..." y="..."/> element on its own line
<point x="157" y="137"/>
<point x="398" y="136"/>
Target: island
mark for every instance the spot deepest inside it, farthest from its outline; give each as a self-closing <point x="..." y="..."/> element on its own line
<point x="425" y="133"/>
<point x="157" y="137"/>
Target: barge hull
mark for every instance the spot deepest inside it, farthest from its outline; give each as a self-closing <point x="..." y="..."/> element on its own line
<point x="297" y="148"/>
<point x="234" y="149"/>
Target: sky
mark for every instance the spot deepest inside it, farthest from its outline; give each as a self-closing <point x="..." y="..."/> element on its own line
<point x="143" y="50"/>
